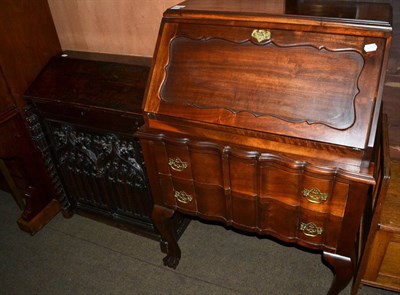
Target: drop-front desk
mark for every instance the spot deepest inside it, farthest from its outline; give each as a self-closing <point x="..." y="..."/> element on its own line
<point x="265" y="115"/>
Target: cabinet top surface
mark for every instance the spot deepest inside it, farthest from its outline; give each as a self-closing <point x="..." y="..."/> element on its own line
<point x="362" y="13"/>
<point x="110" y="82"/>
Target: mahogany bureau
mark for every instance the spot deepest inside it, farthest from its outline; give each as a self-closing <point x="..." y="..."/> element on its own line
<point x="84" y="109"/>
<point x="265" y="115"/>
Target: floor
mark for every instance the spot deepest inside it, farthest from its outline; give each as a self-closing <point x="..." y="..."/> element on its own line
<point x="82" y="256"/>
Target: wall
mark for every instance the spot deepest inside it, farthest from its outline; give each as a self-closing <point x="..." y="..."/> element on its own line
<point x="128" y="27"/>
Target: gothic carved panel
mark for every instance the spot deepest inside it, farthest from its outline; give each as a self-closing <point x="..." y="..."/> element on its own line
<point x="102" y="169"/>
<point x="99" y="156"/>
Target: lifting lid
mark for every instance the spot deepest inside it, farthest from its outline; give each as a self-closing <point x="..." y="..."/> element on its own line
<point x="274" y="69"/>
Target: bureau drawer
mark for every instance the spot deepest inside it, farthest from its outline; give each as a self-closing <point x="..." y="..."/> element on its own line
<point x="174" y="160"/>
<point x="304" y="226"/>
<point x="254" y="191"/>
<point x="262" y="215"/>
<point x="194" y="198"/>
<point x="252" y="173"/>
<point x="201" y="162"/>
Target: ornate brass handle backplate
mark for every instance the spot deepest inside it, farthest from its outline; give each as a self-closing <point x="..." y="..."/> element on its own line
<point x="261" y="35"/>
<point x="314" y="195"/>
<point x="310" y="229"/>
<point x="183" y="197"/>
<point x="177" y="164"/>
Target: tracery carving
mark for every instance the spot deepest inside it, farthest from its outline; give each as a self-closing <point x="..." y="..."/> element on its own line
<point x="100" y="156"/>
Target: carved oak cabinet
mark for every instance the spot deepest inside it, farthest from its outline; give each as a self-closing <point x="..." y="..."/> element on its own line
<point x="265" y="116"/>
<point x="85" y="108"/>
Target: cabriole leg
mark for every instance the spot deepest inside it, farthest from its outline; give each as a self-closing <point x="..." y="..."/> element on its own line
<point x="162" y="218"/>
<point x="343" y="271"/>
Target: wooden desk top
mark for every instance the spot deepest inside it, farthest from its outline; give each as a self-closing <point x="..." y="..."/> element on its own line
<point x="363" y="14"/>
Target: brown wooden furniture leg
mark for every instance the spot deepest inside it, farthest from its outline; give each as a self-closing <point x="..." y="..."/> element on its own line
<point x="32" y="223"/>
<point x="67" y="212"/>
<point x="343" y="271"/>
<point x="162" y="219"/>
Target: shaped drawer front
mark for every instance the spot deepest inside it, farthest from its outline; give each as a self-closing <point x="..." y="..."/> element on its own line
<point x="255" y="191"/>
<point x="323" y="194"/>
<point x="173" y="159"/>
<point x="194" y="198"/>
<point x="183" y="160"/>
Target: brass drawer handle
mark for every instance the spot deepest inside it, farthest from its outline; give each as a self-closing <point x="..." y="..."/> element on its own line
<point x="177" y="164"/>
<point x="183" y="197"/>
<point x="310" y="229"/>
<point x="315" y="196"/>
<point x="261" y="35"/>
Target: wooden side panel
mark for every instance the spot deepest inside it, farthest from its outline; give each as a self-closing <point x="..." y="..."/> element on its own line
<point x="382" y="263"/>
<point x="28" y="40"/>
<point x="390" y="271"/>
<point x="391" y="103"/>
<point x="379" y="246"/>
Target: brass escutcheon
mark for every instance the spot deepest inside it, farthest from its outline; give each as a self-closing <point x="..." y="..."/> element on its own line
<point x="183" y="197"/>
<point x="177" y="164"/>
<point x="314" y="195"/>
<point x="261" y="35"/>
<point x="311" y="229"/>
